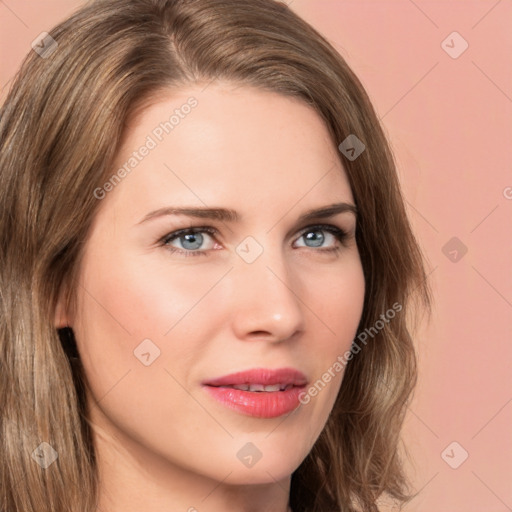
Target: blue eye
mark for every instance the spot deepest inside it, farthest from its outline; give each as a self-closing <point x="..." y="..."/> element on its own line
<point x="192" y="239"/>
<point x="312" y="235"/>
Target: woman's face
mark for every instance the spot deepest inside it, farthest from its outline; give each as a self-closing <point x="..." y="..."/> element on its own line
<point x="159" y="316"/>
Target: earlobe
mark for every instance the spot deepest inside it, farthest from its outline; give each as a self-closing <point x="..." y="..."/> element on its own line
<point x="61" y="317"/>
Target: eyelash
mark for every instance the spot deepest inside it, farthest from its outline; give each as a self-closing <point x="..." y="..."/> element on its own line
<point x="338" y="233"/>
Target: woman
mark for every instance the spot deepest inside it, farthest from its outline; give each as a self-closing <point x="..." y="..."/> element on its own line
<point x="270" y="373"/>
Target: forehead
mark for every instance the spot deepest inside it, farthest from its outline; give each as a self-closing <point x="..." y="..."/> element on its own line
<point x="228" y="144"/>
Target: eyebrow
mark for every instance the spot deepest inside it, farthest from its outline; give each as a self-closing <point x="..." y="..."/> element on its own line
<point x="229" y="215"/>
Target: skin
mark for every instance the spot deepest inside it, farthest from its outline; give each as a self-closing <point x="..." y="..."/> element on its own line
<point x="162" y="442"/>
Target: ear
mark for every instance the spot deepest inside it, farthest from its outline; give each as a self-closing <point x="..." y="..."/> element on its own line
<point x="62" y="317"/>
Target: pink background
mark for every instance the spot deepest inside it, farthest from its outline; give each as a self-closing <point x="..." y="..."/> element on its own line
<point x="450" y="124"/>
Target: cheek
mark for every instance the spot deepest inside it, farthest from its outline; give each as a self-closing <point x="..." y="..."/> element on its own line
<point x="139" y="306"/>
<point x="138" y="299"/>
<point x="337" y="299"/>
<point x="129" y="361"/>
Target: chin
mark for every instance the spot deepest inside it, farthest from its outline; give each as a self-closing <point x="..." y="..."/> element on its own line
<point x="271" y="467"/>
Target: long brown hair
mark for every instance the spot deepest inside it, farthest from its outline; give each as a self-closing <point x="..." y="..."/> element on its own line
<point x="61" y="127"/>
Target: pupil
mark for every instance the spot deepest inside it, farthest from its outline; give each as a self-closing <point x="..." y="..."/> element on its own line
<point x="193" y="238"/>
<point x="312" y="237"/>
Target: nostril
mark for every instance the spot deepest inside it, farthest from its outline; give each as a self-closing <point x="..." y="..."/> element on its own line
<point x="260" y="333"/>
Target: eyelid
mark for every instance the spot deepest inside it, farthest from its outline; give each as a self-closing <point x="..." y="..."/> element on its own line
<point x="183" y="231"/>
<point x="320" y="226"/>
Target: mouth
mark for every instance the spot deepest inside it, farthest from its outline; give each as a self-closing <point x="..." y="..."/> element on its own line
<point x="261" y="392"/>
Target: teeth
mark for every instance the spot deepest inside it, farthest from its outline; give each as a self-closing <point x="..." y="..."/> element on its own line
<point x="273" y="387"/>
<point x="242" y="387"/>
<point x="261" y="387"/>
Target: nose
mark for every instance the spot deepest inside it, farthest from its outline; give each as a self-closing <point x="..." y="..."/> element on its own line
<point x="267" y="301"/>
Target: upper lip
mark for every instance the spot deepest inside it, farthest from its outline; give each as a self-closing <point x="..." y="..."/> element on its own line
<point x="265" y="376"/>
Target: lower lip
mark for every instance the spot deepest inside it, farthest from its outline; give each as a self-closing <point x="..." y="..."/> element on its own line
<point x="262" y="404"/>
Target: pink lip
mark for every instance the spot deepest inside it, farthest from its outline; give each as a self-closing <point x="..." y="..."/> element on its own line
<point x="264" y="404"/>
<point x="264" y="376"/>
